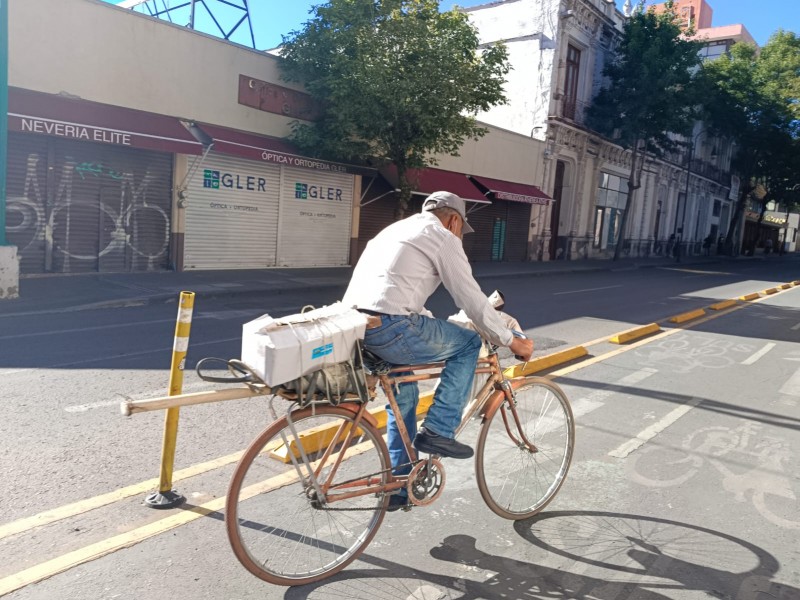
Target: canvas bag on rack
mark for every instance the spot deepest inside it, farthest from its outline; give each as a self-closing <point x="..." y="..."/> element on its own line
<point x="281" y="350"/>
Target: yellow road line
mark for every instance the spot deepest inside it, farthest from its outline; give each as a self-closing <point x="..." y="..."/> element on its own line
<point x="82" y="506"/>
<point x="99" y="549"/>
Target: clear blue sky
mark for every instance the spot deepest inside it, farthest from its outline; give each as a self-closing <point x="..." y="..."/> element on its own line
<point x="271" y="18"/>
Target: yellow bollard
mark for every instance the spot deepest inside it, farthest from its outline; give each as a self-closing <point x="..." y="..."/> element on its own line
<point x="166" y="497"/>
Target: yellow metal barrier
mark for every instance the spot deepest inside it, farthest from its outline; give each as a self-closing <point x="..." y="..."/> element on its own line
<point x="166" y="497"/>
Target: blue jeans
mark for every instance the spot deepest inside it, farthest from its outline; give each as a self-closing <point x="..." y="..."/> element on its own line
<point x="414" y="339"/>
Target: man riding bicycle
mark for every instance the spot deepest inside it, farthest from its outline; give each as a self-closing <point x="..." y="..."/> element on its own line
<point x="399" y="270"/>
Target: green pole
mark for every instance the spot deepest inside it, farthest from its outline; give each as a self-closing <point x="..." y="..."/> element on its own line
<point x="3" y="115"/>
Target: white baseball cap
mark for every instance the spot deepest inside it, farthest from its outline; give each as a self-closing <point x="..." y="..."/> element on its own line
<point x="446" y="199"/>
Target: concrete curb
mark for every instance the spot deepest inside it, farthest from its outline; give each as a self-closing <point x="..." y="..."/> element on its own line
<point x="688" y="316"/>
<point x="636" y="332"/>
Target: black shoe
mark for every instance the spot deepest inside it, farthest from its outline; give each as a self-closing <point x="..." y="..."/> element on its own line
<point x="397" y="502"/>
<point x="432" y="443"/>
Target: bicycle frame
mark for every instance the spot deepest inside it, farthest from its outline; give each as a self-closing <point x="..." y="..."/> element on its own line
<point x="495" y="391"/>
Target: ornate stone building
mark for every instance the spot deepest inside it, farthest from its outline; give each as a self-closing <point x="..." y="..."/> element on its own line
<point x="558" y="49"/>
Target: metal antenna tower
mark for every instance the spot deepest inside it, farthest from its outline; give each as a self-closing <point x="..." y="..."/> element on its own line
<point x="189" y="12"/>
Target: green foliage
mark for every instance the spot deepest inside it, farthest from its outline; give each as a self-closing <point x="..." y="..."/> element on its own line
<point x="651" y="93"/>
<point x="397" y="81"/>
<point x="753" y="97"/>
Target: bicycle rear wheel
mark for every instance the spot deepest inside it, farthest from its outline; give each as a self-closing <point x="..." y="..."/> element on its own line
<point x="278" y="527"/>
<point x="515" y="478"/>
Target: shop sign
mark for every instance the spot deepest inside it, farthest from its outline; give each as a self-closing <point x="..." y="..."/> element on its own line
<point x="304" y="191"/>
<point x="70" y="130"/>
<point x="221" y="180"/>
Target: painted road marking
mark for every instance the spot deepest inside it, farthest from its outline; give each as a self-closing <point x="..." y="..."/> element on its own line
<point x="648" y="434"/>
<point x="83" y="506"/>
<point x="792" y="385"/>
<point x="130" y="538"/>
<point x="85" y="329"/>
<point x="89" y="504"/>
<point x="117" y="356"/>
<point x="608" y="287"/>
<point x="796" y="327"/>
<point x="759" y="354"/>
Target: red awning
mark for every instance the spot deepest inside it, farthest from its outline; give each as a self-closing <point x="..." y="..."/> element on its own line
<point x="70" y="118"/>
<point x="508" y="190"/>
<point x="269" y="149"/>
<point x="427" y="181"/>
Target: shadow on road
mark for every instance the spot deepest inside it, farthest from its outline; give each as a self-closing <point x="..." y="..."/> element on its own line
<point x="599" y="556"/>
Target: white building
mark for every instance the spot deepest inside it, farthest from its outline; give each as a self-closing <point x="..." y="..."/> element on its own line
<point x="558" y="49"/>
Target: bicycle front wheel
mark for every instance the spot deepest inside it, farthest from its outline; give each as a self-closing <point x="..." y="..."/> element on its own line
<point x="524" y="452"/>
<point x="283" y="528"/>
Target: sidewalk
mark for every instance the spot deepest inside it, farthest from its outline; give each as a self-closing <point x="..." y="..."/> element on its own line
<point x="43" y="294"/>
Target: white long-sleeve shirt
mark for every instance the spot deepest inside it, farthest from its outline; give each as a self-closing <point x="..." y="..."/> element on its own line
<point x="404" y="264"/>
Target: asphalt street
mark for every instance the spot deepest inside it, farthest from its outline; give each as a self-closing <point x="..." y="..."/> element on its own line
<point x="684" y="484"/>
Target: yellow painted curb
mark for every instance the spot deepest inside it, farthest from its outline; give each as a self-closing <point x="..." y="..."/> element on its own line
<point x="635" y="332"/>
<point x="316" y="438"/>
<point x="771" y="291"/>
<point x="750" y="297"/>
<point x="722" y="305"/>
<point x="687" y="316"/>
<point x="786" y="286"/>
<point x="545" y="362"/>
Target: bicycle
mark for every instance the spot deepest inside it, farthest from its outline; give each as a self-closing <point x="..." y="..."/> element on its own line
<point x="310" y="492"/>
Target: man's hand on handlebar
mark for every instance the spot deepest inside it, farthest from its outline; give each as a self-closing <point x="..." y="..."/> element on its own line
<point x="522" y="348"/>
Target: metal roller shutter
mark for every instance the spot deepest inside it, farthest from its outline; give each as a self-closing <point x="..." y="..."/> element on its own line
<point x="519" y="218"/>
<point x="232" y="214"/>
<point x="111" y="208"/>
<point x="501" y="232"/>
<point x="26" y="199"/>
<point x="77" y="207"/>
<point x="316" y="209"/>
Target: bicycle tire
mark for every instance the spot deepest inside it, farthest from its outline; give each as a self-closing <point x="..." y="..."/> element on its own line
<point x="273" y="525"/>
<point x="515" y="482"/>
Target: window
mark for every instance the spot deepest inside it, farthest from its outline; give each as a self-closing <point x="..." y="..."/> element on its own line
<point x="612" y="196"/>
<point x="717" y="208"/>
<point x="571" y="81"/>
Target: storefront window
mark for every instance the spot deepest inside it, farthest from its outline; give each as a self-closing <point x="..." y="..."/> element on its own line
<point x="612" y="195"/>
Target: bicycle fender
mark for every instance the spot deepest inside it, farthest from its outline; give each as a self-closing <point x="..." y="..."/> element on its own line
<point x="354" y="407"/>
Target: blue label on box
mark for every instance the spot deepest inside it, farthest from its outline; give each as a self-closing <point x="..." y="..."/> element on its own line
<point x="321" y="351"/>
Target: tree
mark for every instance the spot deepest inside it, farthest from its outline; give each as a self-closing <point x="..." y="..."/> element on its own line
<point x="753" y="97"/>
<point x="650" y="93"/>
<point x="397" y="82"/>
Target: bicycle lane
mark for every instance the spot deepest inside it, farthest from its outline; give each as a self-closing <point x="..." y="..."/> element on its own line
<point x="635" y="388"/>
<point x="706" y="439"/>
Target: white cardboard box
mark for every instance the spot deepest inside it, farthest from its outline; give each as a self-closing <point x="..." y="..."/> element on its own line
<point x="281" y="350"/>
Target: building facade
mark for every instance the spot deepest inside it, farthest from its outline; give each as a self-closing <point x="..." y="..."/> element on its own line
<point x="559" y="49"/>
<point x="142" y="145"/>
